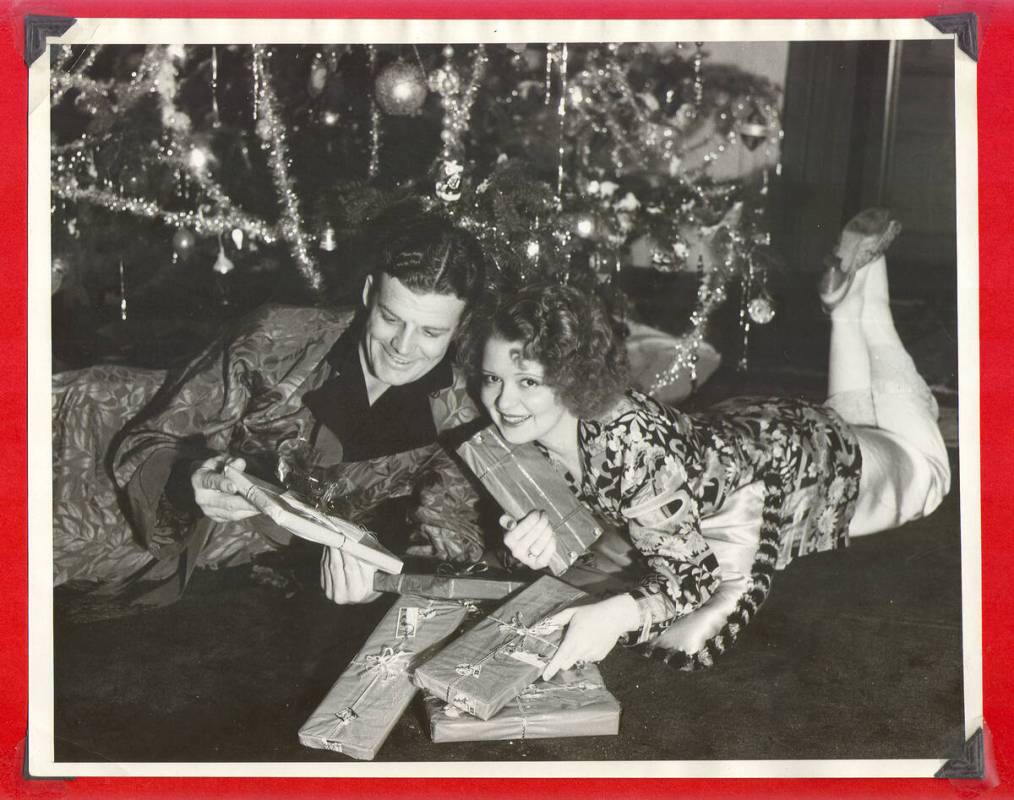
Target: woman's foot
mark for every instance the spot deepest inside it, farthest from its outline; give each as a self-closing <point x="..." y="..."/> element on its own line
<point x="864" y="239"/>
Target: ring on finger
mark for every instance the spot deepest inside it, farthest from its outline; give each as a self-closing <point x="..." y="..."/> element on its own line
<point x="533" y="554"/>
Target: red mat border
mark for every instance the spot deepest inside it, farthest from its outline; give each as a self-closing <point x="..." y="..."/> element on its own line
<point x="996" y="184"/>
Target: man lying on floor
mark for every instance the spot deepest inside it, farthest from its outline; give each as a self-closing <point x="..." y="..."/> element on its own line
<point x="349" y="408"/>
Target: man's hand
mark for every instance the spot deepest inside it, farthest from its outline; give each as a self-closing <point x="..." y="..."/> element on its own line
<point x="530" y="540"/>
<point x="592" y="631"/>
<point x="345" y="579"/>
<point x="216" y="494"/>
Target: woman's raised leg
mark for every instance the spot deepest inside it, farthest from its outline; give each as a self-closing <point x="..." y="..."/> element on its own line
<point x="849" y="387"/>
<point x="906" y="471"/>
<point x="874" y="385"/>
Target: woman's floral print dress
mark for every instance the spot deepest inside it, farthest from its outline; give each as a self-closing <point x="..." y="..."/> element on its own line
<point x="659" y="471"/>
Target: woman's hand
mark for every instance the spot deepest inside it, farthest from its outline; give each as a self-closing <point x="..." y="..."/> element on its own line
<point x="592" y="631"/>
<point x="530" y="540"/>
<point x="345" y="579"/>
<point x="216" y="494"/>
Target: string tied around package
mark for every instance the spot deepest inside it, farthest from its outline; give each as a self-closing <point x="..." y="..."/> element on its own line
<point x="388" y="663"/>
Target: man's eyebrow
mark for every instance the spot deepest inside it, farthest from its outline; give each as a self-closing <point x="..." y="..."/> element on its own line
<point x="387" y="310"/>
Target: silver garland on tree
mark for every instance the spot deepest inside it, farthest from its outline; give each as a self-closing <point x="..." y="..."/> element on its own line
<point x="678" y="139"/>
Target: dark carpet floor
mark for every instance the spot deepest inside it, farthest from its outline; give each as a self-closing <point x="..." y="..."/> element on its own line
<point x="855" y="655"/>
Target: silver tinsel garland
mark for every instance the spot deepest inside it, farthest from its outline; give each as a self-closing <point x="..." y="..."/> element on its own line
<point x="272" y="131"/>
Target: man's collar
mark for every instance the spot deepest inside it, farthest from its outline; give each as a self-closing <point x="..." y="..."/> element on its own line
<point x="345" y="351"/>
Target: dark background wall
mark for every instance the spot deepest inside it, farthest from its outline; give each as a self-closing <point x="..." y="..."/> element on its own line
<point x="870" y="123"/>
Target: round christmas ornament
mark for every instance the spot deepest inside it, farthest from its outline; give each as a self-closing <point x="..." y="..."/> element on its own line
<point x="183" y="242"/>
<point x="761" y="310"/>
<point x="584" y="225"/>
<point x="400" y="89"/>
<point x="444" y="80"/>
<point x="199" y="158"/>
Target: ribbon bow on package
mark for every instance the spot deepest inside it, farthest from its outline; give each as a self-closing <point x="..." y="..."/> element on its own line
<point x="358" y="713"/>
<point x="474" y="581"/>
<point x="521" y="479"/>
<point x="377" y="668"/>
<point x="574" y="703"/>
<point x="482" y="670"/>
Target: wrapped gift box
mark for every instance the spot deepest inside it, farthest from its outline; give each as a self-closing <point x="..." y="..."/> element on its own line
<point x="574" y="703"/>
<point x="447" y="581"/>
<point x="521" y="480"/>
<point x="360" y="710"/>
<point x="284" y="509"/>
<point x="482" y="670"/>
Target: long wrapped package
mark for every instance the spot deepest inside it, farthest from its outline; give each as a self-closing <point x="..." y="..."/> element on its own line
<point x="289" y="512"/>
<point x="574" y="703"/>
<point x="521" y="480"/>
<point x="358" y="713"/>
<point x="482" y="670"/>
<point x="444" y="580"/>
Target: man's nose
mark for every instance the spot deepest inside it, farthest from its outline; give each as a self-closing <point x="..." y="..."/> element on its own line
<point x="402" y="340"/>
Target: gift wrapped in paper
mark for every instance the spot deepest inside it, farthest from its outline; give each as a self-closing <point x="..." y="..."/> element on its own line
<point x="482" y="670"/>
<point x="360" y="710"/>
<point x="521" y="480"/>
<point x="574" y="703"/>
<point x="450" y="581"/>
<point x="284" y="509"/>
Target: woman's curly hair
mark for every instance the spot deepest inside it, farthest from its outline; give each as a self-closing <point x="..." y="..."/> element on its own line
<point x="568" y="331"/>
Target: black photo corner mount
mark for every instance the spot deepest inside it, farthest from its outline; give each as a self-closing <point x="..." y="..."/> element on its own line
<point x="37" y="28"/>
<point x="971" y="763"/>
<point x="965" y="27"/>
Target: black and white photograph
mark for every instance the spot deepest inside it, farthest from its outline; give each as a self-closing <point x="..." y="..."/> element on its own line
<point x="449" y="398"/>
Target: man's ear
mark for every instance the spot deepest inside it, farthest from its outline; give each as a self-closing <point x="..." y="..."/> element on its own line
<point x="367" y="290"/>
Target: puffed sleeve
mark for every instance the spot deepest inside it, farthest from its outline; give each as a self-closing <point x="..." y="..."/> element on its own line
<point x="663" y="517"/>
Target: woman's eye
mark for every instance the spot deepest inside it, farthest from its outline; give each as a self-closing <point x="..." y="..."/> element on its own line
<point x="387" y="317"/>
<point x="529" y="383"/>
<point x="431" y="334"/>
<point x="489" y="380"/>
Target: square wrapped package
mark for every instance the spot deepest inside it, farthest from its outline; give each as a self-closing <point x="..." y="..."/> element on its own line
<point x="574" y="703"/>
<point x="358" y="713"/>
<point x="521" y="480"/>
<point x="482" y="670"/>
<point x="448" y="581"/>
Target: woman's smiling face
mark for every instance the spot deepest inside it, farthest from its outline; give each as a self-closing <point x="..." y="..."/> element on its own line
<point x="516" y="396"/>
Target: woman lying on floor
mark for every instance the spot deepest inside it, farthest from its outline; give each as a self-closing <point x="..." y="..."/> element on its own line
<point x="871" y="458"/>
